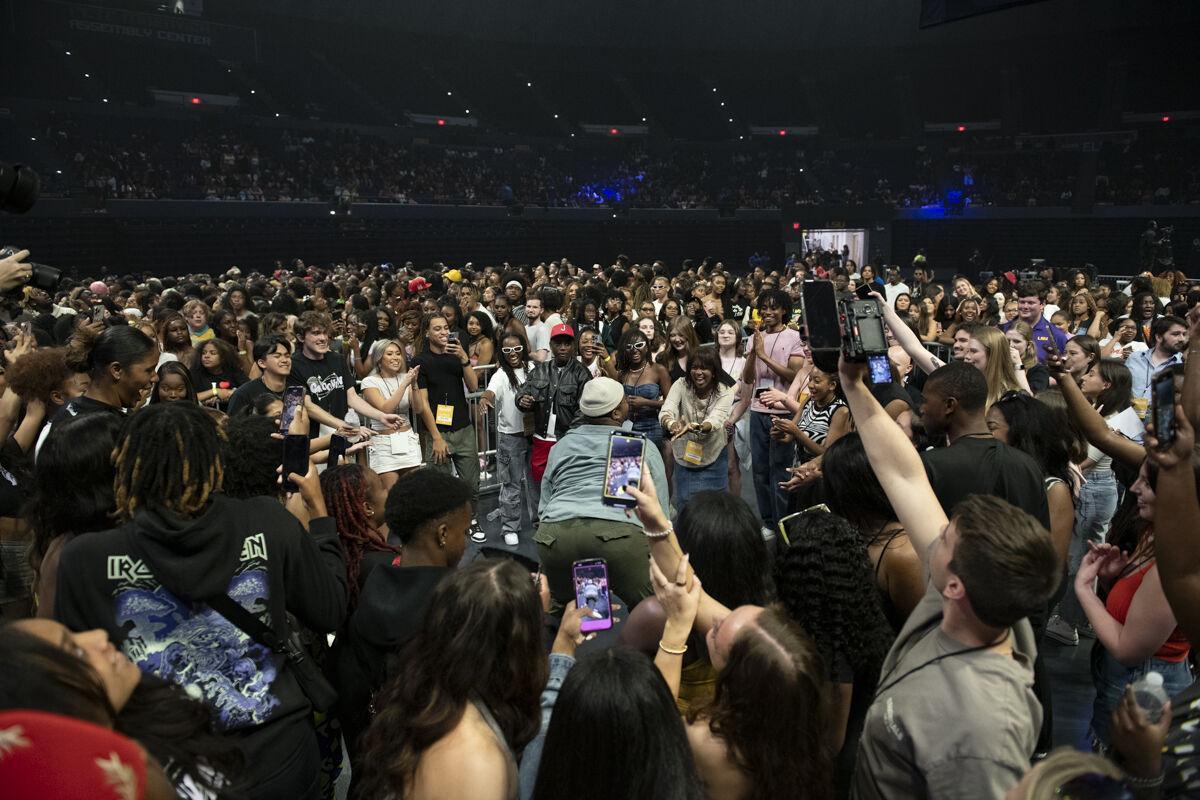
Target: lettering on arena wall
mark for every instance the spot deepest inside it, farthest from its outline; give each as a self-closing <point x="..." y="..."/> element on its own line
<point x="137" y="32"/>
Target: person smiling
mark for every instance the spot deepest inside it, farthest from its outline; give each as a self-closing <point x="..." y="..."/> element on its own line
<point x="694" y="413"/>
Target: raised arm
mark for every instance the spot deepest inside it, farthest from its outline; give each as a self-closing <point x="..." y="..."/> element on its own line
<point x="1092" y="424"/>
<point x="1177" y="523"/>
<point x="895" y="462"/>
<point x="922" y="359"/>
<point x="1191" y="369"/>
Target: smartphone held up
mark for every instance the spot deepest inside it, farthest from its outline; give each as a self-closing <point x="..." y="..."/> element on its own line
<point x="590" y="578"/>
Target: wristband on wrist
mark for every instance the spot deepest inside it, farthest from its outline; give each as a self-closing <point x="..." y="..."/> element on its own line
<point x="1130" y="781"/>
<point x="663" y="534"/>
<point x="678" y="651"/>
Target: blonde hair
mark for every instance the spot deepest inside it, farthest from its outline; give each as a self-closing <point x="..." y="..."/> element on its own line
<point x="1064" y="765"/>
<point x="376" y="355"/>
<point x="1029" y="357"/>
<point x="999" y="372"/>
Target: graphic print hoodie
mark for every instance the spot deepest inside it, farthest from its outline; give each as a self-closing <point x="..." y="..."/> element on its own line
<point x="145" y="583"/>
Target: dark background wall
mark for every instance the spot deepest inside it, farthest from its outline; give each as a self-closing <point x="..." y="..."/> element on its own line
<point x="170" y="237"/>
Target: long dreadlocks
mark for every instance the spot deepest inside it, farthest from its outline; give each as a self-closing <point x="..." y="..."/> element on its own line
<point x="169" y="458"/>
<point x="345" y="491"/>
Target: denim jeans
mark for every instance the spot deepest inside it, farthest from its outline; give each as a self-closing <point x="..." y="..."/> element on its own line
<point x="464" y="457"/>
<point x="516" y="480"/>
<point x="1097" y="504"/>
<point x="689" y="480"/>
<point x="770" y="460"/>
<point x="1111" y="677"/>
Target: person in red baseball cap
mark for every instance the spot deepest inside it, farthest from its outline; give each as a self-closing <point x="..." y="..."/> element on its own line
<point x="552" y="395"/>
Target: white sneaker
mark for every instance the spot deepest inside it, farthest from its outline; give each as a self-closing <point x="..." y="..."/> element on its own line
<point x="477" y="534"/>
<point x="1062" y="631"/>
<point x="767" y="533"/>
<point x="511" y="539"/>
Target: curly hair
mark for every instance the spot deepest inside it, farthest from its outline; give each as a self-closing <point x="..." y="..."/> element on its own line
<point x="824" y="581"/>
<point x="481" y="639"/>
<point x="38" y="374"/>
<point x="774" y="652"/>
<point x="251" y="456"/>
<point x="345" y="490"/>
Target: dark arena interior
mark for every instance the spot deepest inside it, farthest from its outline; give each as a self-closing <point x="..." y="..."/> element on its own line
<point x="544" y="400"/>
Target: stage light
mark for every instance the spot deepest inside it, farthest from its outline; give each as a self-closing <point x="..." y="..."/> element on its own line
<point x="441" y="122"/>
<point x="195" y="101"/>
<point x="782" y="132"/>
<point x="1166" y="117"/>
<point x="795" y="226"/>
<point x="613" y="131"/>
<point x="962" y="128"/>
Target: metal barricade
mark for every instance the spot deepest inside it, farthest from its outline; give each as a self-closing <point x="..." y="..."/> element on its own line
<point x="485" y="426"/>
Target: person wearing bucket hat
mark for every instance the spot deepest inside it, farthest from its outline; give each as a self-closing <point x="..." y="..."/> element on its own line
<point x="574" y="523"/>
<point x="454" y="276"/>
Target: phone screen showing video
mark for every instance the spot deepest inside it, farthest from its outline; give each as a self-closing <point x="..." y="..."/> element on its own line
<point x="293" y="396"/>
<point x="624" y="468"/>
<point x="881" y="369"/>
<point x="591" y="592"/>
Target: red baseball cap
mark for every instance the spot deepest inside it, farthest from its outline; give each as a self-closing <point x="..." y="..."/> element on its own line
<point x="418" y="285"/>
<point x="562" y="329"/>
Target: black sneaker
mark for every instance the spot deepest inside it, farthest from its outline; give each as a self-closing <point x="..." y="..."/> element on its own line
<point x="1062" y="631"/>
<point x="477" y="534"/>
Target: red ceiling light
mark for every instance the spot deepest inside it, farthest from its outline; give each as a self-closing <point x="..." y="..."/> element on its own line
<point x="1166" y="117"/>
<point x="782" y="132"/>
<point x="795" y="226"/>
<point x="962" y="128"/>
<point x="195" y="101"/>
<point x="441" y="122"/>
<point x="613" y="132"/>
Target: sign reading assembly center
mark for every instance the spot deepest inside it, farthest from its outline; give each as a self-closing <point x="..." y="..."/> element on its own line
<point x="164" y="29"/>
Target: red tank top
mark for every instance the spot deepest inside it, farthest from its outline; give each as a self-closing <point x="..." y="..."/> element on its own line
<point x="1176" y="647"/>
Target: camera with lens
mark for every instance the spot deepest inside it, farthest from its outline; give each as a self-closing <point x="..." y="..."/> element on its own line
<point x="42" y="277"/>
<point x="852" y="327"/>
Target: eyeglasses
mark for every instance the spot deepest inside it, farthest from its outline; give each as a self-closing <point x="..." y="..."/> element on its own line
<point x="508" y="351"/>
<point x="636" y="346"/>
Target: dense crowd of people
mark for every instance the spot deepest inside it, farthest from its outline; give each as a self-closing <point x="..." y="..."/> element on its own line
<point x="248" y="164"/>
<point x="242" y="555"/>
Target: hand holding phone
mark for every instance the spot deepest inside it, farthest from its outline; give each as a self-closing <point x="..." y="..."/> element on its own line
<point x="1162" y="403"/>
<point x="591" y="592"/>
<point x="623" y="468"/>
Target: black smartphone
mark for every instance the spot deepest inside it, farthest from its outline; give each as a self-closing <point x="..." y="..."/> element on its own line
<point x="1162" y="404"/>
<point x="591" y="591"/>
<point x="293" y="396"/>
<point x="337" y="449"/>
<point x="295" y="458"/>
<point x="624" y="468"/>
<point x="822" y="317"/>
<point x="863" y="292"/>
<point x="881" y="369"/>
<point x="452" y="337"/>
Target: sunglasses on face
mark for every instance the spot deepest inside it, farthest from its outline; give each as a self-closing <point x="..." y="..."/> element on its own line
<point x="636" y="346"/>
<point x="508" y="351"/>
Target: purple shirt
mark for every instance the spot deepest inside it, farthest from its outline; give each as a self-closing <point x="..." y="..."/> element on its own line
<point x="1042" y="332"/>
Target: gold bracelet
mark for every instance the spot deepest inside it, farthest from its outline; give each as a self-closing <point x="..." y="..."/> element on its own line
<point x="666" y="649"/>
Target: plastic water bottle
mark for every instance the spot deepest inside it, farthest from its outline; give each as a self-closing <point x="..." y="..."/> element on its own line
<point x="1149" y="694"/>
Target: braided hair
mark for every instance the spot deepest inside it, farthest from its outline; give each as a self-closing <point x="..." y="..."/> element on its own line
<point x="345" y="491"/>
<point x="169" y="458"/>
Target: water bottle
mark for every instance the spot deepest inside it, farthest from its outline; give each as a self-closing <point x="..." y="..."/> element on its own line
<point x="1149" y="694"/>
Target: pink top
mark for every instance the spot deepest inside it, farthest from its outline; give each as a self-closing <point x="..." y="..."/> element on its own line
<point x="779" y="347"/>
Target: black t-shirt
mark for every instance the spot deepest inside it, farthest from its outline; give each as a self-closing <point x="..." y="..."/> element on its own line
<point x="247" y="394"/>
<point x="887" y="392"/>
<point x="983" y="465"/>
<point x="1039" y="378"/>
<point x="83" y="405"/>
<point x="441" y="376"/>
<point x="203" y="380"/>
<point x="327" y="382"/>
